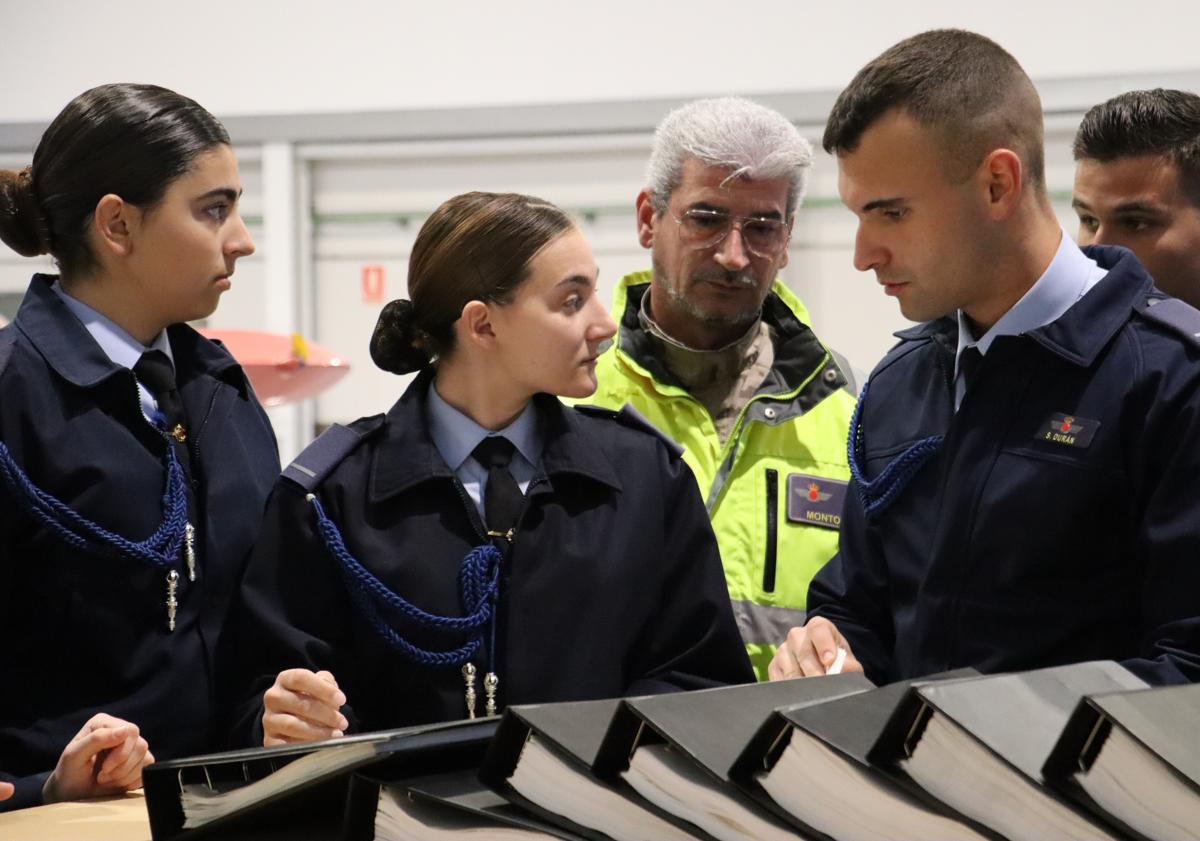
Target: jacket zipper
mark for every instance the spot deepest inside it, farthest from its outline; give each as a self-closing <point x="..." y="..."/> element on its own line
<point x="194" y="440"/>
<point x="772" y="528"/>
<point x="472" y="512"/>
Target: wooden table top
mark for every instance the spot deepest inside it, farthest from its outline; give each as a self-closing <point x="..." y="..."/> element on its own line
<point x="120" y="818"/>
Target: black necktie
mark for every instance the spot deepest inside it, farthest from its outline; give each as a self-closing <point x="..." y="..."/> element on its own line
<point x="154" y="371"/>
<point x="968" y="365"/>
<point x="502" y="495"/>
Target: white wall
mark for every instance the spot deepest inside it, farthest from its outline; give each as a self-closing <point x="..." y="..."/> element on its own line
<point x="241" y="57"/>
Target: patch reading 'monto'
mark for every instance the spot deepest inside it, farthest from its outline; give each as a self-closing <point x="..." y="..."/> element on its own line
<point x="815" y="500"/>
<point x="1068" y="430"/>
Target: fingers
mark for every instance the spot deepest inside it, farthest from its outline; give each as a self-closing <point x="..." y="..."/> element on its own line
<point x="81" y="751"/>
<point x="100" y="720"/>
<point x="112" y="758"/>
<point x="122" y="765"/>
<point x="852" y="664"/>
<point x="6" y="790"/>
<point x="130" y="777"/>
<point x="104" y="741"/>
<point x="783" y="665"/>
<point x="321" y="686"/>
<point x="810" y="651"/>
<point x="302" y="706"/>
<point x="796" y="657"/>
<point x="824" y="641"/>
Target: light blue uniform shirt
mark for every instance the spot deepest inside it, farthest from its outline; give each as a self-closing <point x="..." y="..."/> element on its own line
<point x="122" y="348"/>
<point x="1070" y="276"/>
<point x="455" y="435"/>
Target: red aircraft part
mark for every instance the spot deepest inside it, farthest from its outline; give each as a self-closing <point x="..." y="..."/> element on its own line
<point x="282" y="368"/>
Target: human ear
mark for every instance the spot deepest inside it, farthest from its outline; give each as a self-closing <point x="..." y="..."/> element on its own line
<point x="475" y="325"/>
<point x="113" y="223"/>
<point x="646" y="218"/>
<point x="1001" y="173"/>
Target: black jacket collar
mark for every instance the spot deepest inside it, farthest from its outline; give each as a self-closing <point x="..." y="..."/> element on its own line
<point x="407" y="456"/>
<point x="1082" y="331"/>
<point x="69" y="349"/>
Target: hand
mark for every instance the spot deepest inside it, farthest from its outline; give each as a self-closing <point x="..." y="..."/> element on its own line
<point x="105" y="757"/>
<point x="302" y="706"/>
<point x="6" y="791"/>
<point x="810" y="651"/>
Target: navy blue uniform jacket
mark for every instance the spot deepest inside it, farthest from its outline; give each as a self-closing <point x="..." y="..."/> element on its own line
<point x="81" y="634"/>
<point x="613" y="585"/>
<point x="1021" y="545"/>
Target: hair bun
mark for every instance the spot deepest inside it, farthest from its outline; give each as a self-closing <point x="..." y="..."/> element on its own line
<point x="396" y="343"/>
<point x="22" y="221"/>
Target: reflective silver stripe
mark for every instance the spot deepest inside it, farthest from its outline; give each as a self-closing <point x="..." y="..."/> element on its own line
<point x="765" y="624"/>
<point x="718" y="484"/>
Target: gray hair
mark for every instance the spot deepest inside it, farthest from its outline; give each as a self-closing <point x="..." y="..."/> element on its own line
<point x="750" y="140"/>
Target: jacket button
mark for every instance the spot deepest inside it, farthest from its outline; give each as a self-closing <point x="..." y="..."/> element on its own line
<point x="830" y="375"/>
<point x="769" y="413"/>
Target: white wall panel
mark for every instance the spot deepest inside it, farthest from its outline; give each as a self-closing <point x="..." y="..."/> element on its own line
<point x="305" y="56"/>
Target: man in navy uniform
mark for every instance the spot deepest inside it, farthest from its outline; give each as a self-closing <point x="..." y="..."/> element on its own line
<point x="1026" y="461"/>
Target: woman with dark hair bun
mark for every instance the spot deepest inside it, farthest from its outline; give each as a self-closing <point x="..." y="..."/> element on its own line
<point x="481" y="544"/>
<point x="134" y="458"/>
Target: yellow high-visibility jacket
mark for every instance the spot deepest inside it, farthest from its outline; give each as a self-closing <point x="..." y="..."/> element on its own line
<point x="774" y="490"/>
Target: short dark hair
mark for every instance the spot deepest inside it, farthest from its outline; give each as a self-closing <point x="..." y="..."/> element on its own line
<point x="962" y="85"/>
<point x="474" y="247"/>
<point x="129" y="140"/>
<point x="1160" y="122"/>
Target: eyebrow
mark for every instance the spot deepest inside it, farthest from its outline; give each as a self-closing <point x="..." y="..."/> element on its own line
<point x="225" y="192"/>
<point x="577" y="279"/>
<point x="882" y="203"/>
<point x="1126" y="207"/>
<point x="1137" y="207"/>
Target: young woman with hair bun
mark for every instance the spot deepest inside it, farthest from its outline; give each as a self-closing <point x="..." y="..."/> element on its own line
<point x="134" y="458"/>
<point x="481" y="544"/>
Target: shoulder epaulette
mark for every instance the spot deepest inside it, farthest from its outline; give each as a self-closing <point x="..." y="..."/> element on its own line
<point x="319" y="458"/>
<point x="8" y="339"/>
<point x="632" y="418"/>
<point x="1173" y="313"/>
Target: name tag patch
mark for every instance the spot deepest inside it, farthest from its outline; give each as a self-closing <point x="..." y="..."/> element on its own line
<point x="815" y="500"/>
<point x="1068" y="430"/>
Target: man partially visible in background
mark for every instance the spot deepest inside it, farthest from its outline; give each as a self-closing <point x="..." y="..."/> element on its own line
<point x="1137" y="183"/>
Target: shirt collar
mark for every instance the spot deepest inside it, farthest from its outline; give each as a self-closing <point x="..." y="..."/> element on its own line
<point x="455" y="435"/>
<point x="693" y="367"/>
<point x="1070" y="275"/>
<point x="122" y="348"/>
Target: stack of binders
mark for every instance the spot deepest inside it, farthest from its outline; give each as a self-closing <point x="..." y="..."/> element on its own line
<point x="1085" y="751"/>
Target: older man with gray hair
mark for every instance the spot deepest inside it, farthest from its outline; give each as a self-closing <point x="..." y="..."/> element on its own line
<point x="717" y="352"/>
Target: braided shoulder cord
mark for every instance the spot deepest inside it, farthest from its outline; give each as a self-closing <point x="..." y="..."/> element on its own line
<point x="876" y="496"/>
<point x="478" y="582"/>
<point x="159" y="549"/>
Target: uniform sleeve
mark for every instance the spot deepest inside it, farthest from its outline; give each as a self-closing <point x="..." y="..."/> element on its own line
<point x="28" y="791"/>
<point x="1169" y="541"/>
<point x="851" y="591"/>
<point x="292" y="612"/>
<point x="692" y="641"/>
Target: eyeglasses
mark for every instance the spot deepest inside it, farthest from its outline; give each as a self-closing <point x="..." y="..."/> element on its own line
<point x="703" y="228"/>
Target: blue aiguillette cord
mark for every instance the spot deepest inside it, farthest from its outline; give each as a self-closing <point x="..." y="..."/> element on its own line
<point x="478" y="582"/>
<point x="160" y="549"/>
<point x="876" y="496"/>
